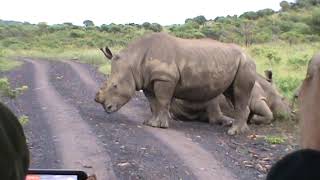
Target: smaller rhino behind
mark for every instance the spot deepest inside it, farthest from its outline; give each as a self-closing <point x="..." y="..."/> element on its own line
<point x="265" y="105"/>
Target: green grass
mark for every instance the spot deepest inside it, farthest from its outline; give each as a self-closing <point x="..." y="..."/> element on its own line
<point x="7" y="91"/>
<point x="8" y="64"/>
<point x="105" y="68"/>
<point x="288" y="63"/>
<point x="23" y="120"/>
<point x="89" y="56"/>
<point x="274" y="139"/>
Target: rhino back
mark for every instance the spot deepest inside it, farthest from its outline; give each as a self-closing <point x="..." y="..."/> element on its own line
<point x="207" y="67"/>
<point x="201" y="69"/>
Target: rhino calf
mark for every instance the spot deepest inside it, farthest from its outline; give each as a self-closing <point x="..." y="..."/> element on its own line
<point x="265" y="104"/>
<point x="215" y="111"/>
<point x="167" y="67"/>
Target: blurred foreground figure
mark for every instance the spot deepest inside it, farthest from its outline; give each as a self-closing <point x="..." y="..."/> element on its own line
<point x="304" y="164"/>
<point x="14" y="153"/>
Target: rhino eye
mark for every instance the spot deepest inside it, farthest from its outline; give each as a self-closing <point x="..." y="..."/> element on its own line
<point x="115" y="86"/>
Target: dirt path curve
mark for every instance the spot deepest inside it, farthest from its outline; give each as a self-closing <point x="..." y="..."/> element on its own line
<point x="201" y="162"/>
<point x="75" y="141"/>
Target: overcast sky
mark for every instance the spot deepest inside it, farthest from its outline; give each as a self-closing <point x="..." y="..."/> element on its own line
<point x="165" y="12"/>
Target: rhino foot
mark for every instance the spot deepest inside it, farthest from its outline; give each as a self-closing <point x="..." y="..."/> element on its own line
<point x="236" y="129"/>
<point x="224" y="121"/>
<point x="258" y="120"/>
<point x="227" y="123"/>
<point x="159" y="122"/>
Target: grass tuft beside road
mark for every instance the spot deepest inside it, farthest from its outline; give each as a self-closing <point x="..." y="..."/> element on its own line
<point x="8" y="64"/>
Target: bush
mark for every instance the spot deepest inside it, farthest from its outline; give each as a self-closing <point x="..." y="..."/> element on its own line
<point x="189" y="34"/>
<point x="146" y="25"/>
<point x="288" y="85"/>
<point x="251" y="15"/>
<point x="265" y="12"/>
<point x="273" y="57"/>
<point x="315" y="20"/>
<point x="155" y="27"/>
<point x="210" y="32"/>
<point x="77" y="34"/>
<point x="299" y="61"/>
<point x="292" y="37"/>
<point x="23" y="120"/>
<point x="6" y="91"/>
<point x="200" y="19"/>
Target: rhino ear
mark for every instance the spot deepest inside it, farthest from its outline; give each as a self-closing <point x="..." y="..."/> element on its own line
<point x="107" y="52"/>
<point x="268" y="74"/>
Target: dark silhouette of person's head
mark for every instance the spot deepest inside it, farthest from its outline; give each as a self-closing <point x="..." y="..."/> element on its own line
<point x="14" y="153"/>
<point x="299" y="165"/>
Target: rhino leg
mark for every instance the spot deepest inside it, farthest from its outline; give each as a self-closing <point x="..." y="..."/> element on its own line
<point x="215" y="115"/>
<point x="241" y="90"/>
<point x="263" y="114"/>
<point x="151" y="98"/>
<point x="160" y="104"/>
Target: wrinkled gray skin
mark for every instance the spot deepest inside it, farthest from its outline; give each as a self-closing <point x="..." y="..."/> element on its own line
<point x="166" y="67"/>
<point x="265" y="104"/>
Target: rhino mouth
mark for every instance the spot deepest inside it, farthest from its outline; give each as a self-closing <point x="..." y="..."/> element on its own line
<point x="109" y="108"/>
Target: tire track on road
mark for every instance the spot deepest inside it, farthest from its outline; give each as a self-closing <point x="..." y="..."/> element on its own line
<point x="201" y="162"/>
<point x="76" y="143"/>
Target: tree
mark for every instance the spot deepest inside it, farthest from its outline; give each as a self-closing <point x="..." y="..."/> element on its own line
<point x="220" y="19"/>
<point x="43" y="27"/>
<point x="188" y="20"/>
<point x="286" y="26"/>
<point x="146" y="25"/>
<point x="265" y="12"/>
<point x="200" y="19"/>
<point x="315" y="21"/>
<point x="291" y="37"/>
<point x="155" y="27"/>
<point x="249" y="15"/>
<point x="307" y="3"/>
<point x="210" y="32"/>
<point x="246" y="30"/>
<point x="88" y="23"/>
<point x="284" y="5"/>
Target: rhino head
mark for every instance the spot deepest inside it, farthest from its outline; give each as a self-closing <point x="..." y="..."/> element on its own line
<point x="279" y="104"/>
<point x="119" y="87"/>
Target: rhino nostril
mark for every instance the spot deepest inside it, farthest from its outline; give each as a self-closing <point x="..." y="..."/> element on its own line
<point x="109" y="107"/>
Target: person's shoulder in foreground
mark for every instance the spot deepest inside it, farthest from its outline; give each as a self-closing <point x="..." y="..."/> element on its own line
<point x="14" y="153"/>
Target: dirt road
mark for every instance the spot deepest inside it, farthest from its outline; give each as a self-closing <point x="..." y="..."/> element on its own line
<point x="67" y="129"/>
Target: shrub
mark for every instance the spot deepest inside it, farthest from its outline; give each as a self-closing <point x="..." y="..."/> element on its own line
<point x="273" y="57"/>
<point x="6" y="91"/>
<point x="299" y="61"/>
<point x="23" y="120"/>
<point x="288" y="84"/>
<point x="155" y="27"/>
<point x="77" y="34"/>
